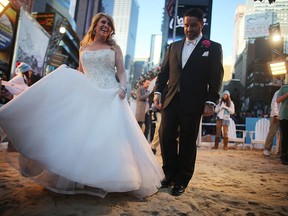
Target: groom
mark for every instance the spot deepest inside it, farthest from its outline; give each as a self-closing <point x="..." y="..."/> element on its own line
<point x="190" y="78"/>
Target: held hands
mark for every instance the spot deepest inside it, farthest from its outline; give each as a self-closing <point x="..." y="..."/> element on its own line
<point x="157" y="101"/>
<point x="208" y="110"/>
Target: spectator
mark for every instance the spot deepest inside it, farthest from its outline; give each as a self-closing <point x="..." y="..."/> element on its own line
<point x="20" y="82"/>
<point x="142" y="106"/>
<point x="223" y="109"/>
<point x="274" y="125"/>
<point x="283" y="117"/>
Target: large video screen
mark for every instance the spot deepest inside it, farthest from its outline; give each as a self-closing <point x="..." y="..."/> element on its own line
<point x="8" y="27"/>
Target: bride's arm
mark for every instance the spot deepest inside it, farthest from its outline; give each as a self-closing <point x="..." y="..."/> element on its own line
<point x="121" y="72"/>
<point x="80" y="68"/>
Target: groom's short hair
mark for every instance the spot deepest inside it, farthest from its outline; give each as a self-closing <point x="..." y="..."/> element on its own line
<point x="194" y="12"/>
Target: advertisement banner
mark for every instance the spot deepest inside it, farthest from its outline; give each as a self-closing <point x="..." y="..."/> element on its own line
<point x="8" y="22"/>
<point x="257" y="25"/>
<point x="17" y="4"/>
<point x="32" y="42"/>
<point x="46" y="20"/>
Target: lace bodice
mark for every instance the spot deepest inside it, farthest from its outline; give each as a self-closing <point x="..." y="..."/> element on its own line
<point x="99" y="67"/>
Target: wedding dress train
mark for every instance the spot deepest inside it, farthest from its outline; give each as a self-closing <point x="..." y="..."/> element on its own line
<point x="75" y="135"/>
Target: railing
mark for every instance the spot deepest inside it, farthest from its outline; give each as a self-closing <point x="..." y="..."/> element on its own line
<point x="210" y="128"/>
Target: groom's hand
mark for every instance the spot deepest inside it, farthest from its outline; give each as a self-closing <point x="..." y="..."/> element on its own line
<point x="157" y="101"/>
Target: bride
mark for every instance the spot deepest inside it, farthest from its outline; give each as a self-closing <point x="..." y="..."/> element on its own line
<point x="76" y="133"/>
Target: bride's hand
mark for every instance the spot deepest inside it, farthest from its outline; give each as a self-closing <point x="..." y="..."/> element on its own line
<point x="121" y="94"/>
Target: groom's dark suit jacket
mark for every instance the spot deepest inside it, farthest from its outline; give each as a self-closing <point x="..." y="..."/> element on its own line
<point x="199" y="81"/>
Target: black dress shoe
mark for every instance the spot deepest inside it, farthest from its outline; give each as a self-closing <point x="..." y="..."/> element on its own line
<point x="166" y="182"/>
<point x="177" y="190"/>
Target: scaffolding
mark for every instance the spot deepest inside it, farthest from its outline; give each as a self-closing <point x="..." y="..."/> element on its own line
<point x="52" y="58"/>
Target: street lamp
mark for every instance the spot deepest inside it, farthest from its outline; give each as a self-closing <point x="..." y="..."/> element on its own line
<point x="3" y="5"/>
<point x="278" y="66"/>
<point x="275" y="32"/>
<point x="276" y="41"/>
<point x="276" y="37"/>
<point x="62" y="29"/>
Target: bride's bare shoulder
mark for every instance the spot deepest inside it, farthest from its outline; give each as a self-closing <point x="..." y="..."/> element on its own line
<point x="83" y="48"/>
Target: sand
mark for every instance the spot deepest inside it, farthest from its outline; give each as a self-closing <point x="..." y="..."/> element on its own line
<point x="233" y="182"/>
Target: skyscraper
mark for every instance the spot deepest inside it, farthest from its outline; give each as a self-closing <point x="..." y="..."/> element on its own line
<point x="155" y="50"/>
<point x="239" y="42"/>
<point x="83" y="12"/>
<point x="125" y="15"/>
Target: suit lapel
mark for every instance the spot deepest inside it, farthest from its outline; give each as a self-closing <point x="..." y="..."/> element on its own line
<point x="198" y="50"/>
<point x="179" y="51"/>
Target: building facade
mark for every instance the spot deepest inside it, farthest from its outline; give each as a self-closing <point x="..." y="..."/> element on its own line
<point x="63" y="47"/>
<point x="83" y="12"/>
<point x="155" y="50"/>
<point x="251" y="63"/>
<point x="279" y="9"/>
<point x="239" y="42"/>
<point x="125" y="14"/>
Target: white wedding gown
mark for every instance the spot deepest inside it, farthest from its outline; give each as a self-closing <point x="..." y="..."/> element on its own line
<point x="75" y="134"/>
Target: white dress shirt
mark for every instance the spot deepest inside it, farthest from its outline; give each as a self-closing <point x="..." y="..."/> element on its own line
<point x="275" y="107"/>
<point x="188" y="49"/>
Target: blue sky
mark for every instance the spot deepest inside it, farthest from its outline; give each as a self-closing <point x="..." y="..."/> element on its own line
<point x="150" y="19"/>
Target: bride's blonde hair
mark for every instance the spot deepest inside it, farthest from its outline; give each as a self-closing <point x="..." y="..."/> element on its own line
<point x="90" y="35"/>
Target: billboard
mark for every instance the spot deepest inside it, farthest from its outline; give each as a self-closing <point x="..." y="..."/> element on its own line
<point x="46" y="20"/>
<point x="206" y="9"/>
<point x="257" y="25"/>
<point x="32" y="42"/>
<point x="17" y="4"/>
<point x="8" y="25"/>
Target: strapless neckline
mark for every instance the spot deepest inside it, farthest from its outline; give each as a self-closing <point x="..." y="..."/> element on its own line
<point x="99" y="66"/>
<point x="97" y="50"/>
